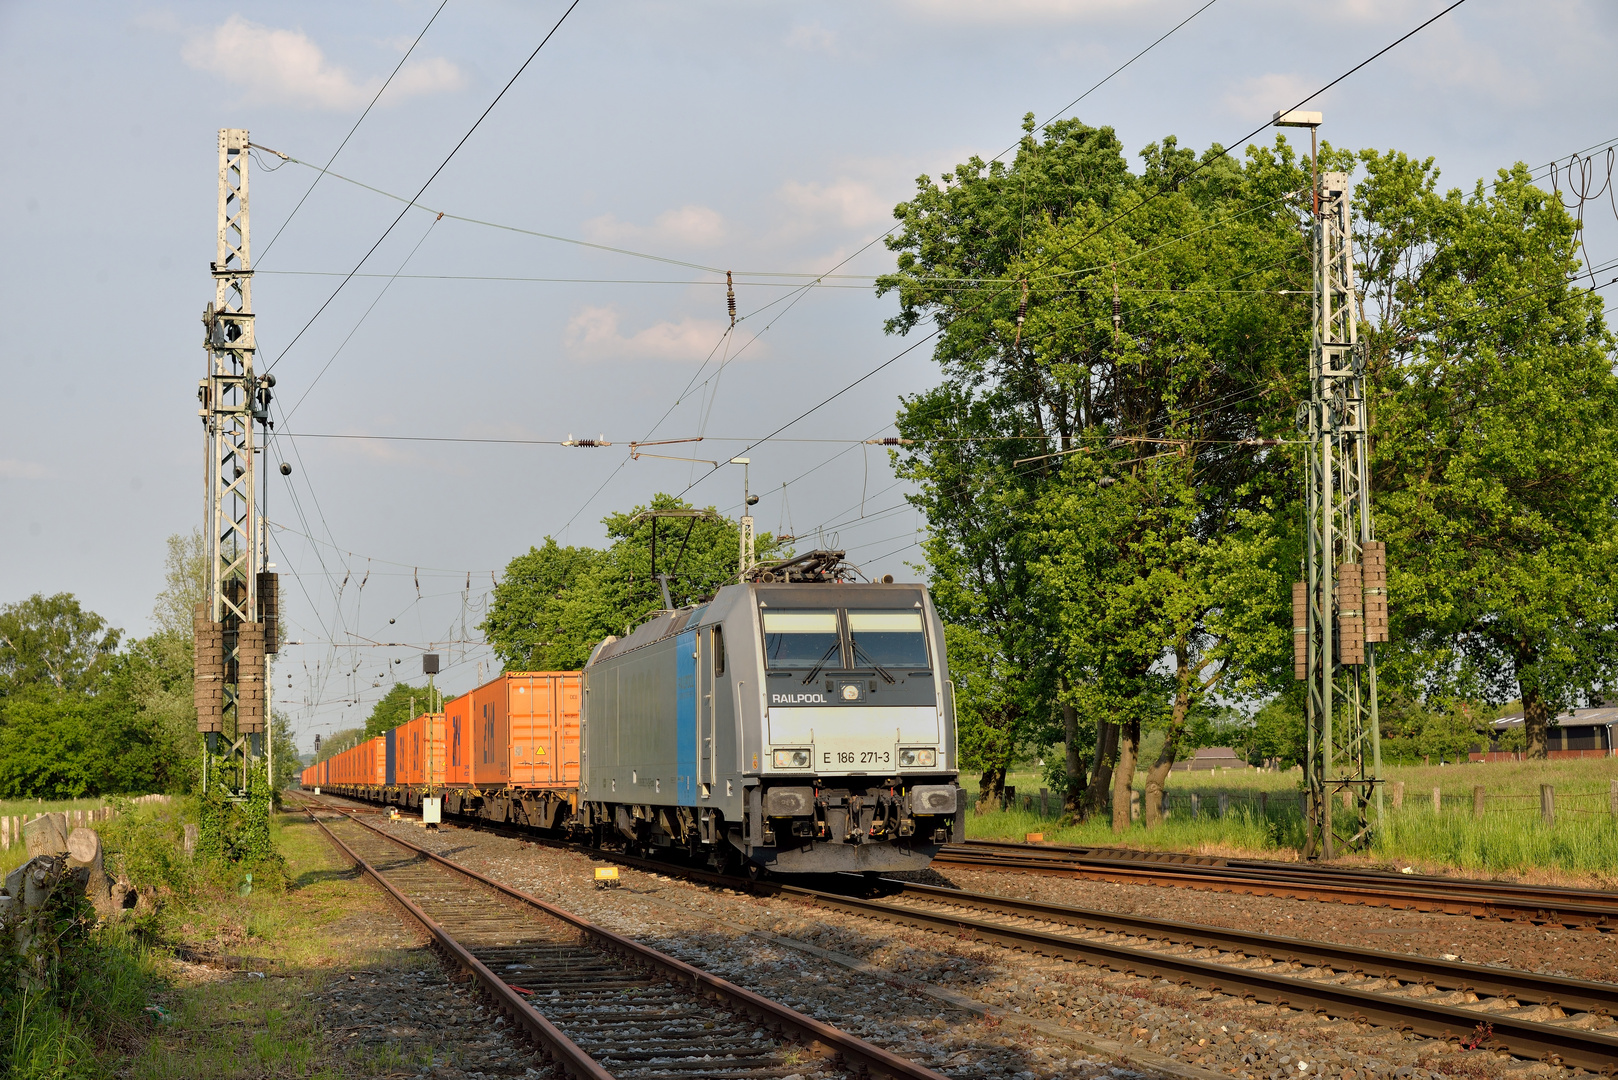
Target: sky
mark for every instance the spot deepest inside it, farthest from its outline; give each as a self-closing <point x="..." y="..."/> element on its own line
<point x="771" y="140"/>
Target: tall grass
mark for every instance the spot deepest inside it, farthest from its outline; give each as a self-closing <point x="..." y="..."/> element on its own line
<point x="1509" y="838"/>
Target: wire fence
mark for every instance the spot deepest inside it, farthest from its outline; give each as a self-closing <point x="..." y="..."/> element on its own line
<point x="1478" y="802"/>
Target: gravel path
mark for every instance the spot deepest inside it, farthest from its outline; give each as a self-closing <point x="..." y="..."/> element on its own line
<point x="973" y="1010"/>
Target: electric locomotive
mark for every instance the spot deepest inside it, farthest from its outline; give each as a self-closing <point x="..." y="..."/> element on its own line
<point x="796" y="722"/>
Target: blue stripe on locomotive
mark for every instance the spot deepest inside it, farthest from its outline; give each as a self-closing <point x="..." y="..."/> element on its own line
<point x="685" y="718"/>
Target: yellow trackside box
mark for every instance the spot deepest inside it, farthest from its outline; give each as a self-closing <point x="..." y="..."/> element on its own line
<point x="606" y="877"/>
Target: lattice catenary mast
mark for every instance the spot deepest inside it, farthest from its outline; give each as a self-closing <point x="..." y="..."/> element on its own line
<point x="236" y="621"/>
<point x="1341" y="607"/>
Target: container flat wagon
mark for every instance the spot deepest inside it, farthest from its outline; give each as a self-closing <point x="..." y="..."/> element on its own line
<point x="804" y="725"/>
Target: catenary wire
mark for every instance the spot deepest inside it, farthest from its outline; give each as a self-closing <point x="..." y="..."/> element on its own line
<point x="378" y="97"/>
<point x="442" y="165"/>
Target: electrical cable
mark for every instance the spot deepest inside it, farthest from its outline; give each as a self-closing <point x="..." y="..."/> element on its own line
<point x="386" y="83"/>
<point x="442" y="165"/>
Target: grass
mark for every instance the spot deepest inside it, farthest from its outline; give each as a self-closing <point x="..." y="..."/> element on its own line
<point x="157" y="996"/>
<point x="228" y="1024"/>
<point x="16" y="854"/>
<point x="1510" y="839"/>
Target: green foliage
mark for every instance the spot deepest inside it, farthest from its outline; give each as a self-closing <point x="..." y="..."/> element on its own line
<point x="394" y="709"/>
<point x="52" y="640"/>
<point x="1496" y="458"/>
<point x="66" y="745"/>
<point x="1152" y="526"/>
<point x="1279" y="730"/>
<point x="557" y="603"/>
<point x="185" y="583"/>
<point x="232" y="833"/>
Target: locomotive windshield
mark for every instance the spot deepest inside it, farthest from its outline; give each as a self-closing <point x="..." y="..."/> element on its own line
<point x="801" y="639"/>
<point x="889" y="639"/>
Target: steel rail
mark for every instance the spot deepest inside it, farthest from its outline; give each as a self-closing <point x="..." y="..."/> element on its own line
<point x="553" y="1043"/>
<point x="1567" y="907"/>
<point x="853" y="1051"/>
<point x="1580" y="994"/>
<point x="1521" y="1038"/>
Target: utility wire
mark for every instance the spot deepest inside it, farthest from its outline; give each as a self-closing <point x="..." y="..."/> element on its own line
<point x="442" y="165"/>
<point x="353" y="129"/>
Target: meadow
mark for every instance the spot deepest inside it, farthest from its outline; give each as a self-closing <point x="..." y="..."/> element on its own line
<point x="1264" y="819"/>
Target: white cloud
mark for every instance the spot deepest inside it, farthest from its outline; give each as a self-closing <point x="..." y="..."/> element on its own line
<point x="691" y="226"/>
<point x="1261" y="96"/>
<point x="13" y="469"/>
<point x="594" y="334"/>
<point x="286" y="67"/>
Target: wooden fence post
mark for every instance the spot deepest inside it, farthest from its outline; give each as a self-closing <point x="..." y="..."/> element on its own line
<point x="1398" y="793"/>
<point x="1264" y="804"/>
<point x="1612" y="797"/>
<point x="1196" y="804"/>
<point x="1044" y="802"/>
<point x="1477" y="801"/>
<point x="1547" y="804"/>
<point x="1438" y="801"/>
<point x="5" y="833"/>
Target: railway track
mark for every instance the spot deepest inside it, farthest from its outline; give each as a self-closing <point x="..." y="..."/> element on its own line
<point x="600" y="1005"/>
<point x="1583" y="908"/>
<point x="1533" y="1016"/>
<point x="1564" y="1021"/>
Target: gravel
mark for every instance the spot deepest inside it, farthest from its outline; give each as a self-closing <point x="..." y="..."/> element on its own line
<point x="1033" y="1017"/>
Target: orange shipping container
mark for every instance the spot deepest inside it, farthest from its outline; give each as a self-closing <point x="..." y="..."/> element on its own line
<point x="414" y="746"/>
<point x="525" y="730"/>
<point x="457" y="744"/>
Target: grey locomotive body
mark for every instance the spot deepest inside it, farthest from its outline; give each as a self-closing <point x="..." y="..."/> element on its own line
<point x="804" y="727"/>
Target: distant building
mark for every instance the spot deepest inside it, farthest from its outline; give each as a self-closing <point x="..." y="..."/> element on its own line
<point x="1212" y="757"/>
<point x="1577" y="734"/>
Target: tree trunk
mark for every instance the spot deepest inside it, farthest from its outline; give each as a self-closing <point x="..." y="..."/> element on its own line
<point x="1123" y="776"/>
<point x="991" y="788"/>
<point x="1095" y="797"/>
<point x="1158" y="774"/>
<point x="1536" y="722"/>
<point x="1072" y="795"/>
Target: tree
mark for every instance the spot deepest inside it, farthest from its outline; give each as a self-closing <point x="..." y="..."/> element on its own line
<point x="1495" y="461"/>
<point x="557" y="603"/>
<point x="51" y="640"/>
<point x="395" y="707"/>
<point x="65" y="745"/>
<point x="185" y="583"/>
<point x="1111" y="346"/>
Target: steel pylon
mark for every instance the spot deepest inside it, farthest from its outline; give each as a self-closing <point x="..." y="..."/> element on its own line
<point x="1340" y="608"/>
<point x="233" y="634"/>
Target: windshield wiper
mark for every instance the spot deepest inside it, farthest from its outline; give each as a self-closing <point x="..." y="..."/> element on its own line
<point x="880" y="670"/>
<point x="833" y="647"/>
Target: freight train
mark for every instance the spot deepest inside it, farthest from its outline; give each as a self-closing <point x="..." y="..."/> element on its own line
<point x="798" y="722"/>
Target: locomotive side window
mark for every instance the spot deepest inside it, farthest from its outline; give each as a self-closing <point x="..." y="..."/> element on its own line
<point x="890" y="639"/>
<point x="801" y="639"/>
<point x="719" y="650"/>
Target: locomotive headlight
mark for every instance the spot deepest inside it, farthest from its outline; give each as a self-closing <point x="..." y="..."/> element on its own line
<point x="792" y="759"/>
<point x="851" y="692"/>
<point x="912" y="759"/>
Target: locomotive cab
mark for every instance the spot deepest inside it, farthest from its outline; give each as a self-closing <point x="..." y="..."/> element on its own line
<point x="806" y="726"/>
